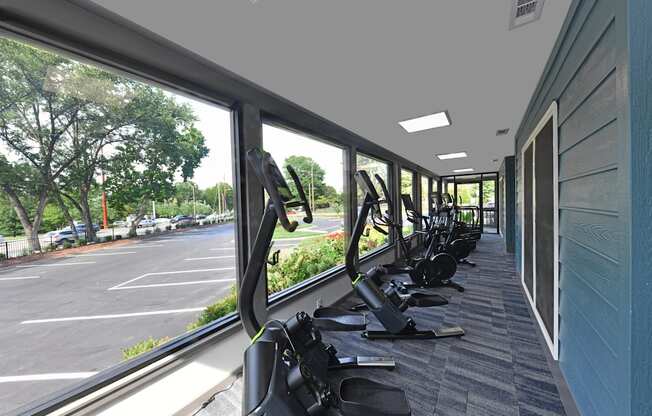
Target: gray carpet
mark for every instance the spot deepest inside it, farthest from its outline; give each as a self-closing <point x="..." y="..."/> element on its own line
<point x="498" y="368"/>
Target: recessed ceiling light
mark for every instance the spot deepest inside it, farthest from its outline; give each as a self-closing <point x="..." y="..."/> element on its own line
<point x="463" y="170"/>
<point x="431" y="121"/>
<point x="452" y="155"/>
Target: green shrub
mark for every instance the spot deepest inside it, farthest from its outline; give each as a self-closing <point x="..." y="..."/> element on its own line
<point x="309" y="259"/>
<point x="372" y="240"/>
<point x="217" y="310"/>
<point x="108" y="238"/>
<point x="67" y="244"/>
<point x="142" y="347"/>
<point x="118" y="237"/>
<point x="2" y="256"/>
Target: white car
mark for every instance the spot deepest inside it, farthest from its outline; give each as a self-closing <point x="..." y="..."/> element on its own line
<point x="146" y="223"/>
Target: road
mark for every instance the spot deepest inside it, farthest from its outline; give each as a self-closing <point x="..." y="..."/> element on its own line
<point x="64" y="319"/>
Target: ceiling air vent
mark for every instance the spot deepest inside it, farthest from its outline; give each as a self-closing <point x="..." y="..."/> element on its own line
<point x="502" y="132"/>
<point x="524" y="12"/>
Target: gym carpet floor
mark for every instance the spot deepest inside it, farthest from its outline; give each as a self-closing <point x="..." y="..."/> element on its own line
<point x="498" y="368"/>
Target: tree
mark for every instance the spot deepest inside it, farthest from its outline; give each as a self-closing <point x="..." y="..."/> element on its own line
<point x="220" y="197"/>
<point x="144" y="171"/>
<point x="310" y="174"/>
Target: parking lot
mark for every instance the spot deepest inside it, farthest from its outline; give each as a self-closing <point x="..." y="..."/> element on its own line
<point x="64" y="319"/>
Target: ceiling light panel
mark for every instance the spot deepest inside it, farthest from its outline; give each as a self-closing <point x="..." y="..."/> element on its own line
<point x="463" y="170"/>
<point x="428" y="122"/>
<point x="457" y="155"/>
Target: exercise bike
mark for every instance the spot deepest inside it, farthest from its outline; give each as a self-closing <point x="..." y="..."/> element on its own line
<point x="386" y="304"/>
<point x="287" y="365"/>
<point x="435" y="268"/>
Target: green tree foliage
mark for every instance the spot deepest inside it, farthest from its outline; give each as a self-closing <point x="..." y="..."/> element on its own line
<point x="219" y="197"/>
<point x="60" y="118"/>
<point x="145" y="171"/>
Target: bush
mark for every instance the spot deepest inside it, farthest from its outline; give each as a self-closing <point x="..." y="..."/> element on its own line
<point x="118" y="237"/>
<point x="108" y="238"/>
<point x="142" y="347"/>
<point x="2" y="256"/>
<point x="67" y="244"/>
<point x="373" y="240"/>
<point x="148" y="231"/>
<point x="217" y="310"/>
<point x="309" y="259"/>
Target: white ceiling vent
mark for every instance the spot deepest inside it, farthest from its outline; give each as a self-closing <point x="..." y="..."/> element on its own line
<point x="524" y="12"/>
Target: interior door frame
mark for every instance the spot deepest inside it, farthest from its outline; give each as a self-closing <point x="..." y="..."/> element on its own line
<point x="552" y="113"/>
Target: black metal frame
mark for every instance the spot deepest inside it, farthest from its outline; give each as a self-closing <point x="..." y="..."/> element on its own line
<point x="479" y="181"/>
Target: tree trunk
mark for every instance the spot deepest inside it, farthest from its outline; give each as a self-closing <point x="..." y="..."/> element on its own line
<point x="65" y="211"/>
<point x="86" y="213"/>
<point x="29" y="228"/>
<point x="139" y="216"/>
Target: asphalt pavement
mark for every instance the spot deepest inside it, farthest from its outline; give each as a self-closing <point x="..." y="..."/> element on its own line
<point x="65" y="319"/>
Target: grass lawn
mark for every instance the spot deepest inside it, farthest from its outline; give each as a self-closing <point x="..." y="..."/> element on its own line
<point x="280" y="233"/>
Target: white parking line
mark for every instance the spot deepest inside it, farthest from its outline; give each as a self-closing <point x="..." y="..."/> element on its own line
<point x="46" y="377"/>
<point x="194" y="282"/>
<point x="209" y="258"/>
<point x="122" y="253"/>
<point x="79" y="263"/>
<point x="20" y="278"/>
<point x="168" y="273"/>
<point x="113" y="316"/>
<point x="133" y="246"/>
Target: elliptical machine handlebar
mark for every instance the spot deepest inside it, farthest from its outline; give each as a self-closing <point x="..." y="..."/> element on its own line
<point x="303" y="201"/>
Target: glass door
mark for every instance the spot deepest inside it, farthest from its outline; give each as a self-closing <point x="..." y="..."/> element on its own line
<point x="489" y="204"/>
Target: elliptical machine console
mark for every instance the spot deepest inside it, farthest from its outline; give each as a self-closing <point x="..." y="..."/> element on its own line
<point x="286" y="367"/>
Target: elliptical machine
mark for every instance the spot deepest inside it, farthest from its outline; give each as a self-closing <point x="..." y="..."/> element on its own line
<point x="387" y="305"/>
<point x="286" y="366"/>
<point x="435" y="268"/>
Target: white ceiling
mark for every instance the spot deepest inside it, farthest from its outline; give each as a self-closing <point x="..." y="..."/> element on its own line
<point x="367" y="64"/>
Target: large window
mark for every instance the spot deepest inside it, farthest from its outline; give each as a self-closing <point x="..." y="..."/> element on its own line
<point x="407" y="187"/>
<point x="312" y="248"/>
<point x="116" y="211"/>
<point x="373" y="239"/>
<point x="425" y="195"/>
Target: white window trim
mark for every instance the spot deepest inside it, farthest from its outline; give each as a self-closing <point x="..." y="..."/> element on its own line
<point x="552" y="113"/>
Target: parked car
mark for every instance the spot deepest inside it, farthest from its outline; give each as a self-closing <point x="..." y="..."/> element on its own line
<point x="120" y="224"/>
<point x="182" y="220"/>
<point x="63" y="236"/>
<point x="146" y="223"/>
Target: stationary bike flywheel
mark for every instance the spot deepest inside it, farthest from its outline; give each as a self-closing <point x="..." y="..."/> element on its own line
<point x="434" y="271"/>
<point x="460" y="248"/>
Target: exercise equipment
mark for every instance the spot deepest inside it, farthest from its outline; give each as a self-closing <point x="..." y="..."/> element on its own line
<point x="435" y="268"/>
<point x="287" y="365"/>
<point x="387" y="305"/>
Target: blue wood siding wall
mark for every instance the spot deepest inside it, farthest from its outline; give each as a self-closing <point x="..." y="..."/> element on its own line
<point x="640" y="63"/>
<point x="584" y="76"/>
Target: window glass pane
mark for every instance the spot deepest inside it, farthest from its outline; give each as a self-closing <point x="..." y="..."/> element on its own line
<point x="121" y="193"/>
<point x="425" y="196"/>
<point x="312" y="248"/>
<point x="407" y="182"/>
<point x="375" y="240"/>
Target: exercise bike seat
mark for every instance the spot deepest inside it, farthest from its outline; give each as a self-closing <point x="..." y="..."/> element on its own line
<point x="363" y="397"/>
<point x="335" y="319"/>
